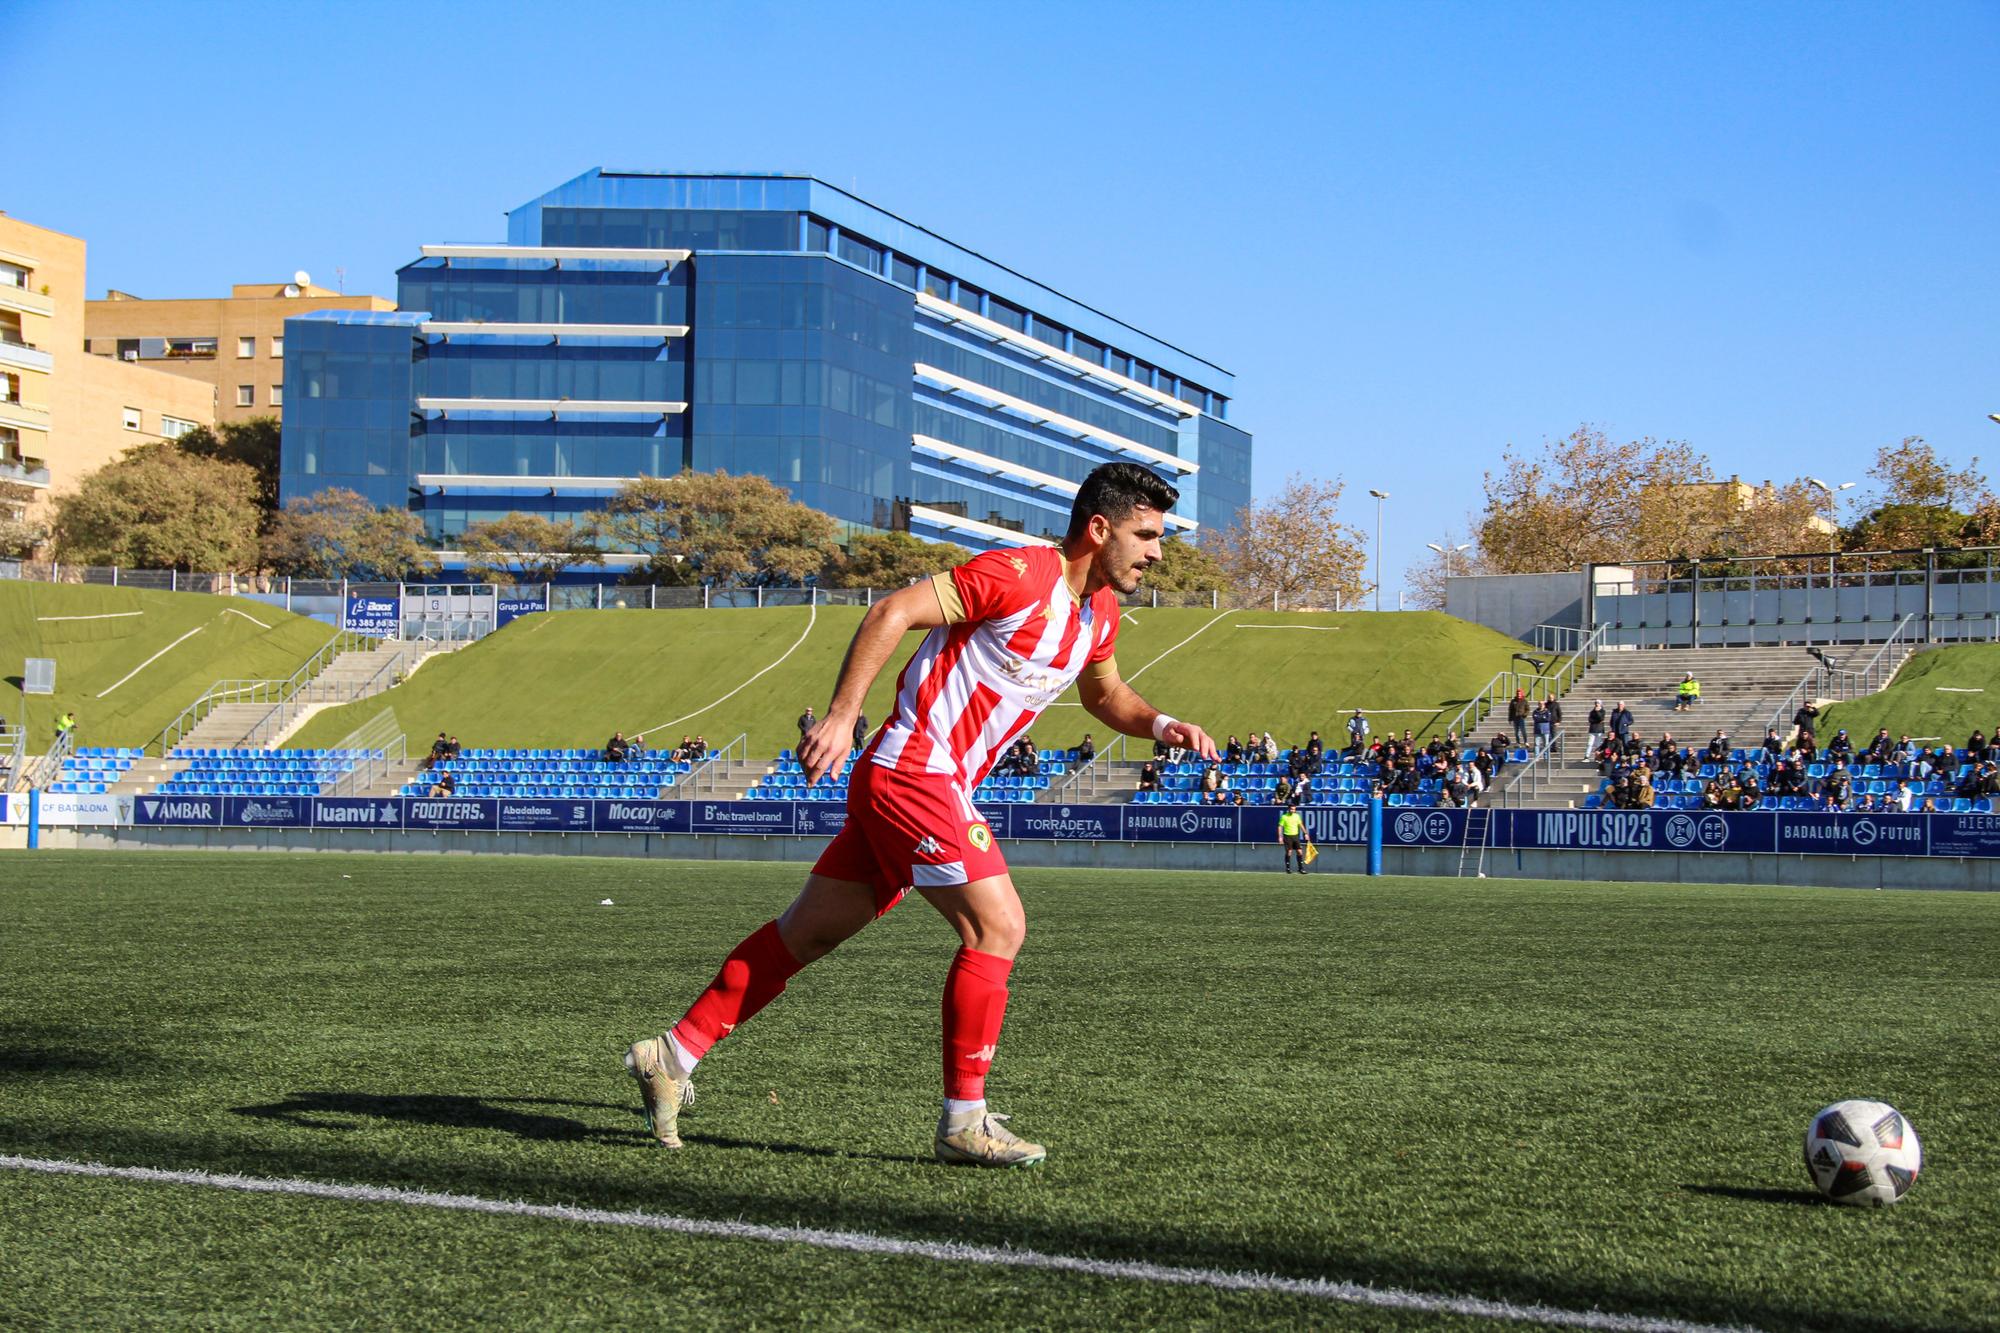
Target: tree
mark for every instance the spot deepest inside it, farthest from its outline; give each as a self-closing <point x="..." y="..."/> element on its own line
<point x="724" y="529"/>
<point x="336" y="534"/>
<point x="1187" y="567"/>
<point x="19" y="535"/>
<point x="893" y="559"/>
<point x="253" y="443"/>
<point x="1295" y="545"/>
<point x="1588" y="498"/>
<point x="526" y="548"/>
<point x="159" y="508"/>
<point x="1920" y="501"/>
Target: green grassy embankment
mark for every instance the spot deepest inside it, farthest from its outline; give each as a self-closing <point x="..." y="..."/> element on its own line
<point x="1586" y="1095"/>
<point x="1944" y="693"/>
<point x="571" y="678"/>
<point x="128" y="661"/>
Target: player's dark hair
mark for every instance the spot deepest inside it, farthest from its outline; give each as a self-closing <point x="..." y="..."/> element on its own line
<point x="1115" y="490"/>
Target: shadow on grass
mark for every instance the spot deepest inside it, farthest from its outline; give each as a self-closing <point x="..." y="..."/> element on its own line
<point x="1795" y="1198"/>
<point x="342" y="1112"/>
<point x="732" y="1194"/>
<point x="20" y="1058"/>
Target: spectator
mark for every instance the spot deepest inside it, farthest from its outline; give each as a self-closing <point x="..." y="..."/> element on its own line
<point x="1840" y="747"/>
<point x="700" y="746"/>
<point x="806" y="723"/>
<point x="1211" y="779"/>
<point x="1457" y="790"/>
<point x="1975" y="744"/>
<point x="1232" y="753"/>
<point x="635" y="749"/>
<point x="1718" y="746"/>
<point x="1880" y="748"/>
<point x="1270" y="749"/>
<point x="1302" y="790"/>
<point x="1596" y="728"/>
<point x="1839" y="785"/>
<point x="1773" y="745"/>
<point x="1555" y="712"/>
<point x="615" y="749"/>
<point x="1315" y="752"/>
<point x="1519" y="711"/>
<point x="1236" y="798"/>
<point x="1642" y="789"/>
<point x="1497" y="748"/>
<point x="1621" y="722"/>
<point x="1929" y="806"/>
<point x="1807" y="718"/>
<point x="1149" y="776"/>
<point x="861" y="731"/>
<point x="1688" y="694"/>
<point x="1545" y="727"/>
<point x="1357" y="733"/>
<point x="445" y="785"/>
<point x="685" y="750"/>
<point x="1086" y="749"/>
<point x="436" y="756"/>
<point x="1282" y="793"/>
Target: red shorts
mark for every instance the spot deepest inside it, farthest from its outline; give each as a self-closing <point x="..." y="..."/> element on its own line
<point x="905" y="831"/>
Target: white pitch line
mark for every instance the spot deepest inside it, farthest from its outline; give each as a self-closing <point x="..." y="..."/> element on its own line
<point x="232" y="611"/>
<point x="1322" y="629"/>
<point x="811" y="616"/>
<point x="1960" y="689"/>
<point x="863" y="1242"/>
<point x="104" y="615"/>
<point x="149" y="661"/>
<point x="1182" y="644"/>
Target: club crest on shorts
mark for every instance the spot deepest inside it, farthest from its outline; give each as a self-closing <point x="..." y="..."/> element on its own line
<point x="980" y="836"/>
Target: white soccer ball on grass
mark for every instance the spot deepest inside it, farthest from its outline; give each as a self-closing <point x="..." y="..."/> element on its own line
<point x="1863" y="1152"/>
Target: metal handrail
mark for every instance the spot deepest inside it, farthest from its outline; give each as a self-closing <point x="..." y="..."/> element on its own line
<point x="1538" y="771"/>
<point x="734" y="752"/>
<point x="13" y="755"/>
<point x="42" y="771"/>
<point x="1823" y="678"/>
<point x="1504" y="683"/>
<point x="374" y="764"/>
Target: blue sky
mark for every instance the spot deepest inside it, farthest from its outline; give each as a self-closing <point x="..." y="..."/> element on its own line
<point x="1416" y="232"/>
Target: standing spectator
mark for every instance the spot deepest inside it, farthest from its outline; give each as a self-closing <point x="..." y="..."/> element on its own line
<point x="1555" y="712"/>
<point x="861" y="731"/>
<point x="1545" y="727"/>
<point x="1621" y="724"/>
<point x="1807" y="718"/>
<point x="1596" y="726"/>
<point x="1357" y="733"/>
<point x="1519" y="711"/>
<point x="806" y="723"/>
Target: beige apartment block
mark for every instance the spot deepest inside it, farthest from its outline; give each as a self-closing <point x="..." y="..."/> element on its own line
<point x="234" y="343"/>
<point x="64" y="413"/>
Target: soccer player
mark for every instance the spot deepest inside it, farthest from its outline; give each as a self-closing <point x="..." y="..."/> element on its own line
<point x="1007" y="632"/>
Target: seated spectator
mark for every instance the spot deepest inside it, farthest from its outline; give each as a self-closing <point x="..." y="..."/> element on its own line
<point x="1904" y="798"/>
<point x="452" y="749"/>
<point x="1840" y="748"/>
<point x="1880" y="748"/>
<point x="1838" y="786"/>
<point x="445" y="785"/>
<point x="616" y="748"/>
<point x="685" y="750"/>
<point x="1086" y="749"/>
<point x="436" y="756"/>
<point x="635" y="750"/>
<point x="1297" y="762"/>
<point x="1236" y="798"/>
<point x="1282" y="793"/>
<point x="1687" y="694"/>
<point x="1786" y="779"/>
<point x="1357" y="732"/>
<point x="1713" y="795"/>
<point x="700" y="747"/>
<point x="1751" y="786"/>
<point x="1457" y="791"/>
<point x="1270" y="749"/>
<point x="1773" y="745"/>
<point x="1211" y="779"/>
<point x="1232" y="753"/>
<point x="1149" y="776"/>
<point x="1929" y="806"/>
<point x="1718" y="747"/>
<point x="1975" y="744"/>
<point x="1642" y="789"/>
<point x="1302" y="790"/>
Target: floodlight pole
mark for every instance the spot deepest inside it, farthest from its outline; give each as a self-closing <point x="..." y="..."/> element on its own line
<point x="1380" y="496"/>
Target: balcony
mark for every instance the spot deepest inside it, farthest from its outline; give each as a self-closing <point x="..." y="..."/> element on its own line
<point x="15" y="352"/>
<point x="27" y="471"/>
<point x="23" y="416"/>
<point x="25" y="300"/>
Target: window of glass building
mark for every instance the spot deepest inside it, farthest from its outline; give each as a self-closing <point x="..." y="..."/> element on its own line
<point x="1052" y="334"/>
<point x="246" y="347"/>
<point x="1013" y="317"/>
<point x="246" y="395"/>
<point x="861" y="253"/>
<point x="817" y="235"/>
<point x="903" y="270"/>
<point x="1088" y="349"/>
<point x="968" y="296"/>
<point x="937" y="284"/>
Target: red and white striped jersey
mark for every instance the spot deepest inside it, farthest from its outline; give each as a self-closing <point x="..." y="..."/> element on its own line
<point x="1019" y="638"/>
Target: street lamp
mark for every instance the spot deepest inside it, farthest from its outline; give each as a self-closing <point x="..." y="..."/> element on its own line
<point x="1831" y="492"/>
<point x="1993" y="417"/>
<point x="1380" y="496"/>
<point x="1449" y="550"/>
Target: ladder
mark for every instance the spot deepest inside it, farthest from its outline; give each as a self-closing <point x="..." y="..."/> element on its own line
<point x="1478" y="824"/>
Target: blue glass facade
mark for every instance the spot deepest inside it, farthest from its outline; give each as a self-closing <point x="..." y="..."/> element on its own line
<point x="881" y="373"/>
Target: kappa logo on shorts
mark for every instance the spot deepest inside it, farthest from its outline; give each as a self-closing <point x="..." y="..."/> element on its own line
<point x="930" y="847"/>
<point x="980" y="836"/>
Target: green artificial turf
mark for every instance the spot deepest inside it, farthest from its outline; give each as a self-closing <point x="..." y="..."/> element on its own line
<point x="572" y="677"/>
<point x="1586" y="1095"/>
<point x="238" y="638"/>
<point x="1944" y="693"/>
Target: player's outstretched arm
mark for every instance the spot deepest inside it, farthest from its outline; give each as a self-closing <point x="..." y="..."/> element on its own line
<point x="915" y="607"/>
<point x="1117" y="705"/>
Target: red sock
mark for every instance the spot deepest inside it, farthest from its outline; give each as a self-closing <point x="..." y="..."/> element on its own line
<point x="752" y="976"/>
<point x="975" y="1003"/>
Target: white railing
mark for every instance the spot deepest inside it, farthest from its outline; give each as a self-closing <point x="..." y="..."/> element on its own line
<point x="13" y="754"/>
<point x="43" y="768"/>
<point x="703" y="778"/>
<point x="1539" y="772"/>
<point x="1498" y="690"/>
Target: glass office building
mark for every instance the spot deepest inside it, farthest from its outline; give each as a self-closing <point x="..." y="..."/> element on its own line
<point x="642" y="323"/>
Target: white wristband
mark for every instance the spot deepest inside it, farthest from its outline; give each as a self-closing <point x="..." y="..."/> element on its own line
<point x="1160" y="724"/>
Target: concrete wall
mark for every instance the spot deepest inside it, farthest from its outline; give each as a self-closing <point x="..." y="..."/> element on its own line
<point x="1515" y="603"/>
<point x="1857" y="872"/>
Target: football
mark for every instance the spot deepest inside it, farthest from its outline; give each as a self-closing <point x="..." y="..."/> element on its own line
<point x="1863" y="1152"/>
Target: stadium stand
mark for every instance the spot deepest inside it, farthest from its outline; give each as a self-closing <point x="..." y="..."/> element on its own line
<point x="245" y="772"/>
<point x="563" y="774"/>
<point x="94" y="768"/>
<point x="1337" y="783"/>
<point x="1868" y="786"/>
<point x="785" y="780"/>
